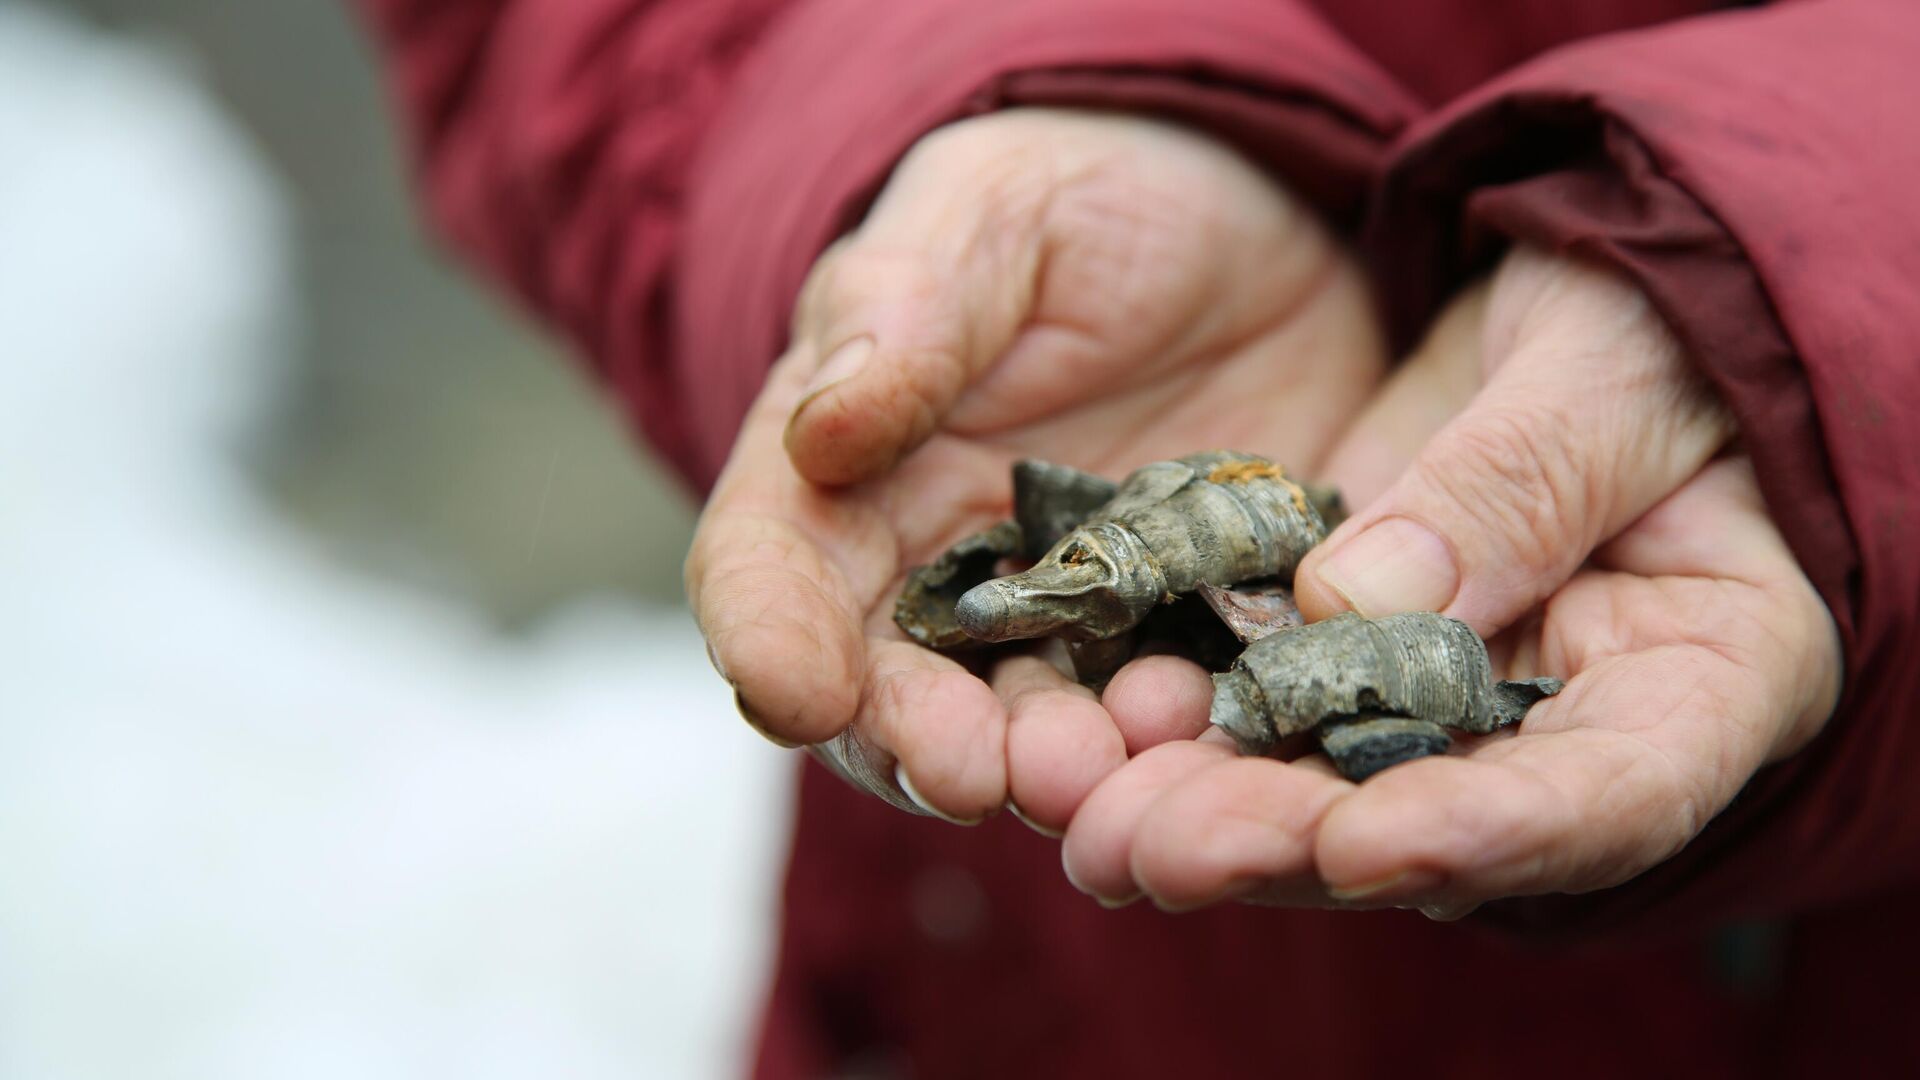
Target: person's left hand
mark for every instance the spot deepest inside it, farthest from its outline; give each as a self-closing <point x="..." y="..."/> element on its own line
<point x="1581" y="477"/>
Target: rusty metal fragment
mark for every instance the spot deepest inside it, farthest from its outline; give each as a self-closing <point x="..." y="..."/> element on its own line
<point x="1219" y="517"/>
<point x="1418" y="666"/>
<point x="925" y="609"/>
<point x="1254" y="609"/>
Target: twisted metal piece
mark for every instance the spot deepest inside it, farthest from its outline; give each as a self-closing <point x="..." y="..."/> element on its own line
<point x="1417" y="666"/>
<point x="1216" y="518"/>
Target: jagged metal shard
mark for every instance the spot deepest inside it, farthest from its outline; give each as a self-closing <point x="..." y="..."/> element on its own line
<point x="1344" y="677"/>
<point x="1254" y="609"/>
<point x="925" y="608"/>
<point x="1217" y="518"/>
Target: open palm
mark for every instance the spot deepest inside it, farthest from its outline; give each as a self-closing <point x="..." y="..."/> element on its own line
<point x="1583" y="501"/>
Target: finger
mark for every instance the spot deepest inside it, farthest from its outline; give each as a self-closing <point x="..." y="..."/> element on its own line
<point x="779" y="626"/>
<point x="1432" y="386"/>
<point x="904" y="313"/>
<point x="1098" y="847"/>
<point x="944" y="726"/>
<point x="1234" y="828"/>
<point x="1158" y="699"/>
<point x="781" y="616"/>
<point x="1060" y="742"/>
<point x="1591" y="415"/>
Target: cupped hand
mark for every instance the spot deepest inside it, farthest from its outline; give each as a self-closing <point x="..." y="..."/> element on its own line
<point x="1096" y="290"/>
<point x="1585" y="503"/>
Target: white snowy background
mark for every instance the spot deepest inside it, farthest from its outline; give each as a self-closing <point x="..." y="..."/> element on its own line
<point x="261" y="817"/>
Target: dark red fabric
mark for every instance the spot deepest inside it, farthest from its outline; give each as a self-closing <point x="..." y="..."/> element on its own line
<point x="654" y="178"/>
<point x="1030" y="979"/>
<point x="1755" y="172"/>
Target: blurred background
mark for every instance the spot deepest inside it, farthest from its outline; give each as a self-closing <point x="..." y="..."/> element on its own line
<point x="350" y="724"/>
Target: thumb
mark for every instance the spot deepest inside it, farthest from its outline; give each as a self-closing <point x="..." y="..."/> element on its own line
<point x="901" y="316"/>
<point x="1591" y="414"/>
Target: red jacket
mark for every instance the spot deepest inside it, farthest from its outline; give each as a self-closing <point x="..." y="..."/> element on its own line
<point x="655" y="176"/>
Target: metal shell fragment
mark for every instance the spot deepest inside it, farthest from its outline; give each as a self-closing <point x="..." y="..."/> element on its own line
<point x="1419" y="665"/>
<point x="1216" y="518"/>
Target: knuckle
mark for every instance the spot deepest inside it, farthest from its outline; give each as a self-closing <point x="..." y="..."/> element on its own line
<point x="1519" y="479"/>
<point x="865" y="272"/>
<point x="819" y="283"/>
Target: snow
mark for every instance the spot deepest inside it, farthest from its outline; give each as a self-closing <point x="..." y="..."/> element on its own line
<point x="261" y="817"/>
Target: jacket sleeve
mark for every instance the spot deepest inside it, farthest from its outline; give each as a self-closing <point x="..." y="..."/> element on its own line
<point x="1755" y="172"/>
<point x="654" y="177"/>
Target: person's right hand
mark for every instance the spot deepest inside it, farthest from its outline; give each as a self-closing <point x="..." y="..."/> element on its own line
<point x="1096" y="290"/>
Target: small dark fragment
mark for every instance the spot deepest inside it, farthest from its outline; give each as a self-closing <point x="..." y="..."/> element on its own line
<point x="1096" y="662"/>
<point x="1364" y="745"/>
<point x="1253" y="609"/>
<point x="1328" y="501"/>
<point x="1212" y="626"/>
<point x="1188" y="627"/>
<point x="925" y="609"/>
<point x="1511" y="700"/>
<point x="1050" y="501"/>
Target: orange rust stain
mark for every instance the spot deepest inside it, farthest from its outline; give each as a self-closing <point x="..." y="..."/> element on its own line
<point x="1242" y="472"/>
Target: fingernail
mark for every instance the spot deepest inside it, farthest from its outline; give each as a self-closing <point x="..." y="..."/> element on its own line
<point x="905" y="783"/>
<point x="746" y="713"/>
<point x="842" y="364"/>
<point x="1110" y="903"/>
<point x="1448" y="912"/>
<point x="1014" y="809"/>
<point x="718" y="667"/>
<point x="1406" y="883"/>
<point x="1394" y="565"/>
